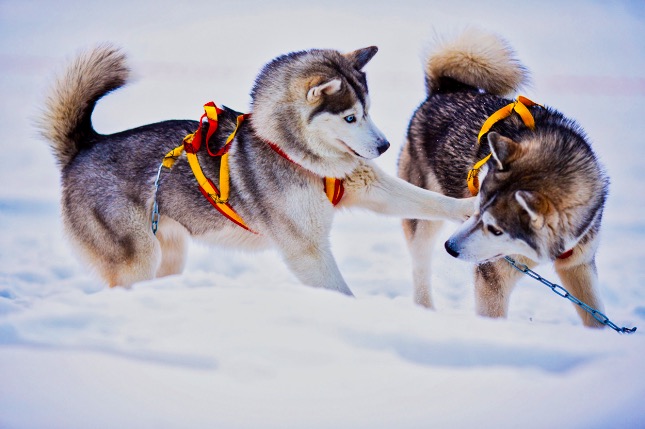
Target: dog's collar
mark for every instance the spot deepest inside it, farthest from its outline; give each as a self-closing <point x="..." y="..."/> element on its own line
<point x="334" y="188"/>
<point x="280" y="152"/>
<point x="566" y="254"/>
<point x="519" y="106"/>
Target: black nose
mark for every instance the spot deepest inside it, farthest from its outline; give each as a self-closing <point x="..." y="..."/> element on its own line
<point x="450" y="250"/>
<point x="382" y="147"/>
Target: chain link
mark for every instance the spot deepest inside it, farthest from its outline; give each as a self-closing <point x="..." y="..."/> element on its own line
<point x="155" y="206"/>
<point x="600" y="317"/>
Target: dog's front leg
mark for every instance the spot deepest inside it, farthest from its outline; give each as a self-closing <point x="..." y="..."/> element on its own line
<point x="371" y="188"/>
<point x="314" y="265"/>
<point x="303" y="241"/>
<point x="494" y="282"/>
<point x="581" y="280"/>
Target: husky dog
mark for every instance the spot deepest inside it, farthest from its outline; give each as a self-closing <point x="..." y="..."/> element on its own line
<point x="542" y="191"/>
<point x="310" y="119"/>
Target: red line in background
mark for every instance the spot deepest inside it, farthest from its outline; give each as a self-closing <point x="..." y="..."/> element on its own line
<point x="596" y="85"/>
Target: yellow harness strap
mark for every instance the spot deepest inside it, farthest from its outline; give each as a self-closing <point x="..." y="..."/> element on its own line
<point x="334" y="188"/>
<point x="217" y="197"/>
<point x="519" y="106"/>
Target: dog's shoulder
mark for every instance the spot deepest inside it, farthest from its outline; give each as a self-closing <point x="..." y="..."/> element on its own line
<point x="363" y="176"/>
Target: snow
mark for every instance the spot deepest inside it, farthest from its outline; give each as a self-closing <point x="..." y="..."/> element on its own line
<point x="236" y="341"/>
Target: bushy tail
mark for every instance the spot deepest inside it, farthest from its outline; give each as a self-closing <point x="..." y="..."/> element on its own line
<point x="477" y="59"/>
<point x="66" y="121"/>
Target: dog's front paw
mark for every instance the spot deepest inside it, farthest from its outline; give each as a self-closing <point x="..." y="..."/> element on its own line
<point x="465" y="208"/>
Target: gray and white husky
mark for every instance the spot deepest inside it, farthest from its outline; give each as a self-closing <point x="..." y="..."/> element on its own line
<point x="309" y="120"/>
<point x="542" y="191"/>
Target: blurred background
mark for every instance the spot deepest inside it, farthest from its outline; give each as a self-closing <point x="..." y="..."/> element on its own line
<point x="234" y="332"/>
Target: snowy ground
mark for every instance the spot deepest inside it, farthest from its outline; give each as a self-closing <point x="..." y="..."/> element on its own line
<point x="236" y="342"/>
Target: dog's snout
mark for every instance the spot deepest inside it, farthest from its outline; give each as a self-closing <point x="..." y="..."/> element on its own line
<point x="451" y="250"/>
<point x="383" y="145"/>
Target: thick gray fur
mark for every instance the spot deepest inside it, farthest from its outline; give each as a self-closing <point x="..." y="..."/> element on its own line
<point x="302" y="102"/>
<point x="542" y="192"/>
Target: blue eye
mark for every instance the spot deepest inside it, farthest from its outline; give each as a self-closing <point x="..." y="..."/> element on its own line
<point x="350" y="119"/>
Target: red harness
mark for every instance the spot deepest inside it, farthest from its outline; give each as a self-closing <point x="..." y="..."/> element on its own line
<point x="218" y="197"/>
<point x="566" y="254"/>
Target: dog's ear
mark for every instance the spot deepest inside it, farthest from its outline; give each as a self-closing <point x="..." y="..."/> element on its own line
<point x="503" y="149"/>
<point x="535" y="204"/>
<point x="315" y="93"/>
<point x="360" y="57"/>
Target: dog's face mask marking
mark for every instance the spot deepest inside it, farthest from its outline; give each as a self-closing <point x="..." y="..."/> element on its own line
<point x="508" y="220"/>
<point x="491" y="234"/>
<point x="350" y="130"/>
<point x="339" y="111"/>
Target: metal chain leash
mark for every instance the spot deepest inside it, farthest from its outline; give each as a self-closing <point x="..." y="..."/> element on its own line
<point x="600" y="317"/>
<point x="155" y="206"/>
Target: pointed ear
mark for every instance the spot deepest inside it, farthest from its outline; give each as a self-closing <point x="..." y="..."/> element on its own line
<point x="327" y="88"/>
<point x="535" y="204"/>
<point x="360" y="57"/>
<point x="503" y="149"/>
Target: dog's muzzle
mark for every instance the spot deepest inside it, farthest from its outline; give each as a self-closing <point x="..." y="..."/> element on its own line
<point x="383" y="145"/>
<point x="450" y="249"/>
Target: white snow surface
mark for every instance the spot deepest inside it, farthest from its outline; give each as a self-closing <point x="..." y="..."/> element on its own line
<point x="236" y="341"/>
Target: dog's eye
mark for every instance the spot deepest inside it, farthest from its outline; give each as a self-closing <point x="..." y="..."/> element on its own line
<point x="494" y="231"/>
<point x="350" y="119"/>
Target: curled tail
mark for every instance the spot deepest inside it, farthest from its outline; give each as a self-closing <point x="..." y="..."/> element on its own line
<point x="66" y="121"/>
<point x="476" y="59"/>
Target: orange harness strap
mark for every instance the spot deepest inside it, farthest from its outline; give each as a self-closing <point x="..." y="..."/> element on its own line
<point x="334" y="189"/>
<point x="519" y="106"/>
<point x="191" y="144"/>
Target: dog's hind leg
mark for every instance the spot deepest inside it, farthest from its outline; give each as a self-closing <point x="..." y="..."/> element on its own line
<point x="121" y="248"/>
<point x="139" y="254"/>
<point x="173" y="239"/>
<point x="420" y="237"/>
<point x="131" y="260"/>
<point x="494" y="282"/>
<point x="581" y="280"/>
